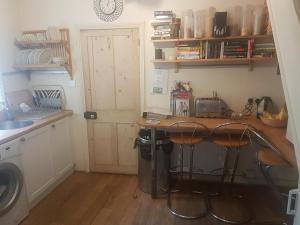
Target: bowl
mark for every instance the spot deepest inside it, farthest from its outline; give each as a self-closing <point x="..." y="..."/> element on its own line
<point x="274" y="123"/>
<point x="59" y="60"/>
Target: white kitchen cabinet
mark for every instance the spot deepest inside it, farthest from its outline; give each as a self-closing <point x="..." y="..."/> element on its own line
<point x="37" y="162"/>
<point x="47" y="158"/>
<point x="61" y="147"/>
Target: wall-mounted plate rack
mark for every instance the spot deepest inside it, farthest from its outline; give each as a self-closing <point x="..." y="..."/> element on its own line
<point x="61" y="48"/>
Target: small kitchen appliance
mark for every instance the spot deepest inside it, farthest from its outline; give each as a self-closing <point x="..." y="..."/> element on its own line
<point x="214" y="107"/>
<point x="264" y="104"/>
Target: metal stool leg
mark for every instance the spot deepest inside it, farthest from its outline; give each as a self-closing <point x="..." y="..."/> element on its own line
<point x="247" y="218"/>
<point x="169" y="201"/>
<point x="265" y="171"/>
<point x="236" y="162"/>
<point x="224" y="174"/>
<point x="181" y="163"/>
<point x="191" y="163"/>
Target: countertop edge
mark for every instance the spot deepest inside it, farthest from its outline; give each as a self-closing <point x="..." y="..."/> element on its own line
<point x="275" y="135"/>
<point x="37" y="125"/>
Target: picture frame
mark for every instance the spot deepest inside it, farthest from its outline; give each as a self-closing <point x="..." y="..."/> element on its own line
<point x="182" y="107"/>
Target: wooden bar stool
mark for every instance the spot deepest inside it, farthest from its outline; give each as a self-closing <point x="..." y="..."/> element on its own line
<point x="232" y="142"/>
<point x="269" y="157"/>
<point x="193" y="133"/>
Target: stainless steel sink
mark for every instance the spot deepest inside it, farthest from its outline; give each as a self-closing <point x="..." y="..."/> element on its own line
<point x="15" y="124"/>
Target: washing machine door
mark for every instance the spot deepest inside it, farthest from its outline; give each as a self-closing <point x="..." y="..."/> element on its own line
<point x="11" y="182"/>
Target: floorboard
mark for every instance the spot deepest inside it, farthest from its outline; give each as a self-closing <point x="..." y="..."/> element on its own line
<point x="104" y="199"/>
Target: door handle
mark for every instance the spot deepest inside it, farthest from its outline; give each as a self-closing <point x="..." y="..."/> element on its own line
<point x="90" y="115"/>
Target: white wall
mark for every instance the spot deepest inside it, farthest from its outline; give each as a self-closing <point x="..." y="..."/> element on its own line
<point x="287" y="36"/>
<point x="8" y="29"/>
<point x="234" y="84"/>
<point x="15" y="82"/>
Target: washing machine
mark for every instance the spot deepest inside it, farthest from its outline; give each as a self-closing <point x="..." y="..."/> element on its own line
<point x="13" y="199"/>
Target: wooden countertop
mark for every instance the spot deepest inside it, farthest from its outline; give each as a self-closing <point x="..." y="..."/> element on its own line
<point x="277" y="136"/>
<point x="9" y="135"/>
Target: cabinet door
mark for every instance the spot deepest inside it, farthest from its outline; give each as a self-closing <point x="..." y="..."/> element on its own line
<point x="61" y="147"/>
<point x="37" y="162"/>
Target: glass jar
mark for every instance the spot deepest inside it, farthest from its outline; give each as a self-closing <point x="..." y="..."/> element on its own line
<point x="187" y="23"/>
<point x="234" y="19"/>
<point x="258" y="21"/>
<point x="247" y="20"/>
<point x="209" y="21"/>
<point x="199" y="24"/>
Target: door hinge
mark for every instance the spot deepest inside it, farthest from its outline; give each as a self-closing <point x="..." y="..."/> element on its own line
<point x="293" y="202"/>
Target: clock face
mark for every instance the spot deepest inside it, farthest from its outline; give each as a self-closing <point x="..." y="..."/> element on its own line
<point x="108" y="10"/>
<point x="107" y="6"/>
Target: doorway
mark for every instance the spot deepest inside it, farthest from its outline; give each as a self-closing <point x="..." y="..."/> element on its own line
<point x="111" y="65"/>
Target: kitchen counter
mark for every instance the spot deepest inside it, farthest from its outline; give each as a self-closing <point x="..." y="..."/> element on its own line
<point x="9" y="135"/>
<point x="277" y="136"/>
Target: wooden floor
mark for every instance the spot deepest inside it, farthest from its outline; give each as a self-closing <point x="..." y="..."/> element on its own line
<point x="103" y="199"/>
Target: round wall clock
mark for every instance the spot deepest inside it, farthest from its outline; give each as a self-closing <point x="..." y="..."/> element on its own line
<point x="108" y="10"/>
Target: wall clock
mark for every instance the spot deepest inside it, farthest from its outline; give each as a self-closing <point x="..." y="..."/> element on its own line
<point x="108" y="10"/>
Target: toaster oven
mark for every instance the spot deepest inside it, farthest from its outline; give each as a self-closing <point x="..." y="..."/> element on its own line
<point x="211" y="108"/>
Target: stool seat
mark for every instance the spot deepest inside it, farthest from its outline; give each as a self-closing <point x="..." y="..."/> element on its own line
<point x="270" y="158"/>
<point x="186" y="140"/>
<point x="230" y="142"/>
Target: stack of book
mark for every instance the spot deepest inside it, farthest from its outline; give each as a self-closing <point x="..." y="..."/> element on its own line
<point x="264" y="50"/>
<point x="213" y="50"/>
<point x="187" y="51"/>
<point x="235" y="49"/>
<point x="162" y="25"/>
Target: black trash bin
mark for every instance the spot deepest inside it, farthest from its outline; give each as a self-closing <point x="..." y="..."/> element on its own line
<point x="163" y="147"/>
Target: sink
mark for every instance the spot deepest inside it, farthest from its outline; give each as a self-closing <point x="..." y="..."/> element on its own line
<point x="15" y="124"/>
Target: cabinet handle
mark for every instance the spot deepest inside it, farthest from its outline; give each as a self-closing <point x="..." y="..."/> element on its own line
<point x="23" y="139"/>
<point x="53" y="126"/>
<point x="7" y="148"/>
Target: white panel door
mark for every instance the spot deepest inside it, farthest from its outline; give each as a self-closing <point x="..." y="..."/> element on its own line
<point x="37" y="162"/>
<point x="286" y="29"/>
<point x="111" y="72"/>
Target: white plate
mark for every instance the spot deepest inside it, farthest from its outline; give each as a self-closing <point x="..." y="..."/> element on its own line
<point x="40" y="37"/>
<point x="37" y="55"/>
<point x="31" y="57"/>
<point x="46" y="56"/>
<point x="48" y="37"/>
<point x="25" y="56"/>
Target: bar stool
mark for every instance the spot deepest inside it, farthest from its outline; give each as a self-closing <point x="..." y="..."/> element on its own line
<point x="193" y="133"/>
<point x="267" y="158"/>
<point x="232" y="142"/>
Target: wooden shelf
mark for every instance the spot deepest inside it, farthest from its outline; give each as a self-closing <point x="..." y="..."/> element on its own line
<point x="27" y="44"/>
<point x="214" y="39"/>
<point x="61" y="48"/>
<point x="43" y="67"/>
<point x="215" y="61"/>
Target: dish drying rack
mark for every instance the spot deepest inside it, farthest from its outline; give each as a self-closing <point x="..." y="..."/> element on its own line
<point x="60" y="47"/>
<point x="48" y="97"/>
